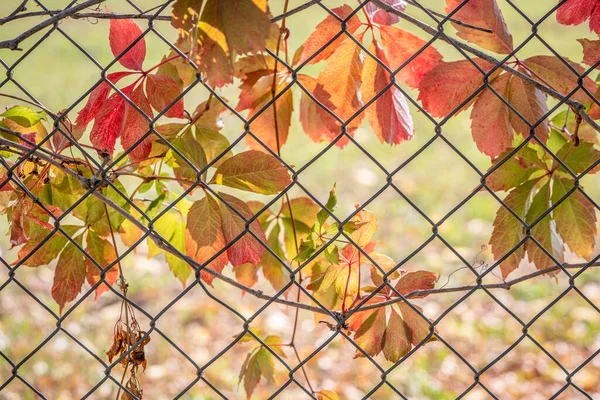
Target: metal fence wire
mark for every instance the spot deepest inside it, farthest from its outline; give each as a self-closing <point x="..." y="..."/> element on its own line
<point x="149" y="19"/>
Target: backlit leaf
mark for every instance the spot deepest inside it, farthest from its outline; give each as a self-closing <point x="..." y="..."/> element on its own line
<point x="575" y="218"/>
<point x="69" y="275"/>
<point x="162" y="91"/>
<point x="446" y="87"/>
<point x="483" y="14"/>
<point x="253" y="171"/>
<point x="204" y="235"/>
<point x="246" y="249"/>
<point x="123" y="32"/>
<point x="137" y="125"/>
<point x="575" y="12"/>
<point x="104" y="254"/>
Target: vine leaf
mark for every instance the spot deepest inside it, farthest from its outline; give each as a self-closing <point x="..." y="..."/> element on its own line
<point x="508" y="230"/>
<point x="558" y="74"/>
<point x="162" y="90"/>
<point x="260" y="363"/>
<point x="69" y="275"/>
<point x="591" y="51"/>
<point x="483" y="14"/>
<point x="543" y="231"/>
<point x="225" y="29"/>
<point x="253" y="171"/>
<point x="171" y="226"/>
<point x="382" y="17"/>
<point x="390" y="116"/>
<point x="325" y="31"/>
<point x="445" y="88"/>
<point x="49" y="250"/>
<point x="97" y="98"/>
<point x="109" y="120"/>
<point x="123" y="32"/>
<point x="575" y="12"/>
<point x="104" y="254"/>
<point x="400" y="46"/>
<point x="136" y="125"/>
<point x="246" y="249"/>
<point x="490" y="124"/>
<point x="204" y="235"/>
<point x="575" y="218"/>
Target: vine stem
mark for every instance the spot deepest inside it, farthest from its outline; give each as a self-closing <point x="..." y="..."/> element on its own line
<point x="166" y="246"/>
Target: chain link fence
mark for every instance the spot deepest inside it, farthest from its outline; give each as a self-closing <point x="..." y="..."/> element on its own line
<point x="150" y="18"/>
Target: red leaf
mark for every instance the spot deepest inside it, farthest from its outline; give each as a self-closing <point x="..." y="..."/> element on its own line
<point x="136" y="125"/>
<point x="123" y="32"/>
<point x="575" y="12"/>
<point x="97" y="97"/>
<point x="591" y="51"/>
<point x="558" y="74"/>
<point x="69" y="275"/>
<point x="389" y="116"/>
<point x="490" y="124"/>
<point x="327" y="30"/>
<point x="383" y="17"/>
<point x="161" y="91"/>
<point x="483" y="14"/>
<point x="246" y="249"/>
<point x="400" y="46"/>
<point x="447" y="86"/>
<point x="109" y="121"/>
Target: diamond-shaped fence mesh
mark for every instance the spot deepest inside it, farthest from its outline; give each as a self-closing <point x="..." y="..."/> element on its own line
<point x="431" y="196"/>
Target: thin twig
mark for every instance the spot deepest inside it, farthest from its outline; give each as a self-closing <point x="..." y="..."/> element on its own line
<point x="13" y="44"/>
<point x="165" y="245"/>
<point x="107" y="15"/>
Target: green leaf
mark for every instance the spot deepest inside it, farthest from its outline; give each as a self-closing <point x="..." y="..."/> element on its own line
<point x="543" y="232"/>
<point x="508" y="230"/>
<point x="515" y="170"/>
<point x="307" y="249"/>
<point x="214" y="144"/>
<point x="575" y="218"/>
<point x="194" y="155"/>
<point x="253" y="171"/>
<point x="23" y="116"/>
<point x="578" y="158"/>
<point x="330" y="205"/>
<point x="69" y="275"/>
<point x="332" y="254"/>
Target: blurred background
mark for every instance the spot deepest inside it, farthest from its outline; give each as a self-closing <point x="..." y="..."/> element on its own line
<point x="57" y="73"/>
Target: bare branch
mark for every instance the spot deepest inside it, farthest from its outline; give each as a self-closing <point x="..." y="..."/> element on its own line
<point x="13" y="44"/>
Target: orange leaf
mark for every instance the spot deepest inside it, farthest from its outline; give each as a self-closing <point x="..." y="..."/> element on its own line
<point x="483" y="14"/>
<point x="327" y="30"/>
<point x="400" y="46"/>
